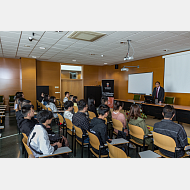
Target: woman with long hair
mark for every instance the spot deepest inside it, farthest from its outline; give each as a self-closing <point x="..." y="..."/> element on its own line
<point x="134" y="118"/>
<point x="52" y="106"/>
<point x="46" y="99"/>
<point x="91" y="105"/>
<point x="119" y="116"/>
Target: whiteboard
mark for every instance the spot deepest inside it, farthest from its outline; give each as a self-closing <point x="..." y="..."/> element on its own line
<point x="176" y="73"/>
<point x="140" y="83"/>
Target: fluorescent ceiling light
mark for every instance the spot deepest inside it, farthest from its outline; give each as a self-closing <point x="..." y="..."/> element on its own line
<point x="71" y="68"/>
<point x="73" y="60"/>
<point x="42" y="48"/>
<point x="34" y="56"/>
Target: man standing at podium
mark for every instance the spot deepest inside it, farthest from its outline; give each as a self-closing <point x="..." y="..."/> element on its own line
<point x="158" y="93"/>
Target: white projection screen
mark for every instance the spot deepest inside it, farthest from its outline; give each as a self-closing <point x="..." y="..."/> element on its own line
<point x="140" y="83"/>
<point x="177" y="73"/>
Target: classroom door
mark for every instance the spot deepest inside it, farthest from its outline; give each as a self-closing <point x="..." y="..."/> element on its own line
<point x="73" y="86"/>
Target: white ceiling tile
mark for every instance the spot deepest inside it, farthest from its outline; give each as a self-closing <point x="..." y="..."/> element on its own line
<point x="145" y="44"/>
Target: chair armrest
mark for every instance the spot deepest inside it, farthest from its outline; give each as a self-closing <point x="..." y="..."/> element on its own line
<point x="187" y="147"/>
<point x="62" y="150"/>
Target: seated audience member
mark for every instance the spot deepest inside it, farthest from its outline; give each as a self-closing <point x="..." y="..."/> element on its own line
<point x="19" y="114"/>
<point x="75" y="100"/>
<point x="46" y="99"/>
<point x="68" y="110"/>
<point x="91" y="105"/>
<point x="80" y="120"/>
<point x="119" y="116"/>
<point x="52" y="106"/>
<point x="17" y="96"/>
<point x="169" y="128"/>
<point x="66" y="97"/>
<point x="104" y="100"/>
<point x="134" y="118"/>
<point x="38" y="139"/>
<point x="99" y="128"/>
<point x="41" y="97"/>
<point x="53" y="137"/>
<point x="26" y="124"/>
<point x="71" y="98"/>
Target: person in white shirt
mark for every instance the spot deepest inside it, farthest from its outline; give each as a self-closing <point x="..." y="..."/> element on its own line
<point x="68" y="110"/>
<point x="66" y="97"/>
<point x="38" y="139"/>
<point x="52" y="106"/>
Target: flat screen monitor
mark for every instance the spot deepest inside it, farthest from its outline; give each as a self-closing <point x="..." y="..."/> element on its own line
<point x="149" y="99"/>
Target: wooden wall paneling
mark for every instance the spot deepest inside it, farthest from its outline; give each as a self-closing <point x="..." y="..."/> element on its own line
<point x="48" y="74"/>
<point x="10" y="78"/>
<point x="28" y="67"/>
<point x="73" y="86"/>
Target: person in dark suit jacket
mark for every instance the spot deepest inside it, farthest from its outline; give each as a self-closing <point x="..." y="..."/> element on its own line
<point x="158" y="93"/>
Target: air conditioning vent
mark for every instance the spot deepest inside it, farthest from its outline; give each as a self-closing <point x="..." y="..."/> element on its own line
<point x="86" y="35"/>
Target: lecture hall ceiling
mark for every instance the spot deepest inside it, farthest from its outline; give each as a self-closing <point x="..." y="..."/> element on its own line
<point x="60" y="48"/>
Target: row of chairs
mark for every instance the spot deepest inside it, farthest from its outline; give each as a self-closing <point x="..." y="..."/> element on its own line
<point x="159" y="140"/>
<point x="114" y="152"/>
<point x="41" y="106"/>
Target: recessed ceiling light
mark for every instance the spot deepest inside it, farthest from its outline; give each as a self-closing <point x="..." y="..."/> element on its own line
<point x="105" y="63"/>
<point x="26" y="46"/>
<point x="102" y="55"/>
<point x="34" y="56"/>
<point x="73" y="60"/>
<point x="42" y="48"/>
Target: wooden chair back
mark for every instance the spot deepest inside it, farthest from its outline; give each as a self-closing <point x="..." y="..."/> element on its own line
<point x="78" y="132"/>
<point x="117" y="124"/>
<point x="91" y="114"/>
<point x="136" y="131"/>
<point x="69" y="124"/>
<point x="115" y="152"/>
<point x="62" y="104"/>
<point x="49" y="109"/>
<point x="164" y="142"/>
<point x="75" y="109"/>
<point x="60" y="118"/>
<point x="93" y="140"/>
<point x="24" y="136"/>
<point x="24" y="140"/>
<point x="106" y="121"/>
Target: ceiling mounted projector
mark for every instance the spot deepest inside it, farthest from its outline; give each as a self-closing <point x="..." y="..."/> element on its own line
<point x="128" y="57"/>
<point x="126" y="69"/>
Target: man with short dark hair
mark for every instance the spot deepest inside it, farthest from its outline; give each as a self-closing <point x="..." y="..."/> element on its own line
<point x="80" y="120"/>
<point x="66" y="97"/>
<point x="38" y="139"/>
<point x="99" y="128"/>
<point x="68" y="110"/>
<point x="169" y="128"/>
<point x="158" y="93"/>
<point x="71" y="98"/>
<point x="26" y="124"/>
<point x="104" y="100"/>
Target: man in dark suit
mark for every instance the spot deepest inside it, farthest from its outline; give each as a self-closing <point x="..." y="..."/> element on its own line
<point x="158" y="93"/>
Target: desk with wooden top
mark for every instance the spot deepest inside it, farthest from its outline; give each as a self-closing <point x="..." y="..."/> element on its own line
<point x="182" y="112"/>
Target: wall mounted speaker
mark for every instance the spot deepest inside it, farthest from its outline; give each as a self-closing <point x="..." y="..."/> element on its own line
<point x="116" y="66"/>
